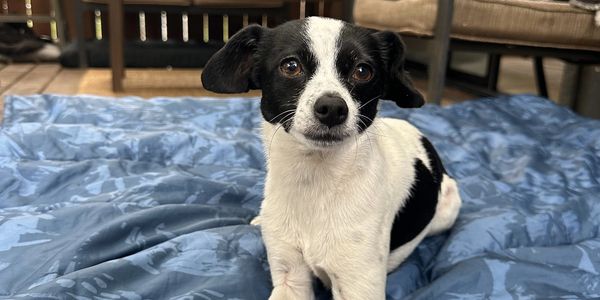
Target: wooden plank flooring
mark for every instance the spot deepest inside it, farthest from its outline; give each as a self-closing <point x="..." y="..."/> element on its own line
<point x="148" y="83"/>
<point x="35" y="81"/>
<point x="11" y="74"/>
<point x="25" y="79"/>
<point x="66" y="82"/>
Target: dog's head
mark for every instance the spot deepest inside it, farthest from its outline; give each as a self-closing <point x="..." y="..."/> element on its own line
<point x="321" y="79"/>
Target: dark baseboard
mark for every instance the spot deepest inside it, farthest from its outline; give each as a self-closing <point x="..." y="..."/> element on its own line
<point x="149" y="54"/>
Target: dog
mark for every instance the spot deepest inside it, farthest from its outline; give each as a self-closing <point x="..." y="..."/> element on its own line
<point x="348" y="196"/>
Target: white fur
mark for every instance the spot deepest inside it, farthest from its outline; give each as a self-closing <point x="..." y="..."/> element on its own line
<point x="328" y="211"/>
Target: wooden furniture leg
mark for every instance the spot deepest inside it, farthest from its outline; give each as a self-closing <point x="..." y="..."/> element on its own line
<point x="80" y="33"/>
<point x="115" y="8"/>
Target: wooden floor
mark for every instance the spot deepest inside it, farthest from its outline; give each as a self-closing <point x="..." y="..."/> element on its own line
<point x="516" y="76"/>
<point x="26" y="79"/>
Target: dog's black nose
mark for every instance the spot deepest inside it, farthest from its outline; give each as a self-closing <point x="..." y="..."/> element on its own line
<point x="331" y="110"/>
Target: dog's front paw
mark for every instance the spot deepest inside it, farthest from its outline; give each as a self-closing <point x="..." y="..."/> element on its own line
<point x="284" y="292"/>
<point x="255" y="221"/>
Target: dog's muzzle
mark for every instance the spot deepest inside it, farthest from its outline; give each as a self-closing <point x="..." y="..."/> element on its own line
<point x="328" y="127"/>
<point x="331" y="110"/>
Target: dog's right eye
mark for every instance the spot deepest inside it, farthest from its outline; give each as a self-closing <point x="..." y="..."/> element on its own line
<point x="291" y="67"/>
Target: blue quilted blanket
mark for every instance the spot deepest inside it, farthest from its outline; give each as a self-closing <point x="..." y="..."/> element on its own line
<point x="133" y="199"/>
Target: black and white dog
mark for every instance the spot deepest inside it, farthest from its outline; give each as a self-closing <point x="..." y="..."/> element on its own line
<point x="348" y="196"/>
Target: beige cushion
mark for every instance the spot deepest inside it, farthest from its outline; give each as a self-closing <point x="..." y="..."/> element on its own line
<point x="239" y="3"/>
<point x="541" y="23"/>
<point x="148" y="2"/>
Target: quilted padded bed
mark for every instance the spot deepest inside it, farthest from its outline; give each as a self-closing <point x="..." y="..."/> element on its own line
<point x="132" y="199"/>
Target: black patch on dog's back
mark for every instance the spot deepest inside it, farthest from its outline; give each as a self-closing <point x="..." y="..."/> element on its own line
<point x="419" y="208"/>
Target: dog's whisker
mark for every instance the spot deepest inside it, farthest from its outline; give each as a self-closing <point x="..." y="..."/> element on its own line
<point x="289" y="119"/>
<point x="285" y="119"/>
<point x="366" y="132"/>
<point x="363" y="105"/>
<point x="355" y="149"/>
<point x="379" y="130"/>
<point x="361" y="115"/>
<point x="361" y="122"/>
<point x="373" y="125"/>
<point x="287" y="111"/>
<point x="352" y="89"/>
<point x="290" y="105"/>
<point x="369" y="139"/>
<point x="273" y="137"/>
<point x="372" y="133"/>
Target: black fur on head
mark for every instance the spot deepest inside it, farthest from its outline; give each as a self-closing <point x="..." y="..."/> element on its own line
<point x="230" y="69"/>
<point x="398" y="87"/>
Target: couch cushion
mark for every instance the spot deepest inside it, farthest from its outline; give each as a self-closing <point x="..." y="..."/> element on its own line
<point x="541" y="23"/>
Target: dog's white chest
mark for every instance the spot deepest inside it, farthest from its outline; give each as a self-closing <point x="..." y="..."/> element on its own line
<point x="327" y="212"/>
<point x="329" y="204"/>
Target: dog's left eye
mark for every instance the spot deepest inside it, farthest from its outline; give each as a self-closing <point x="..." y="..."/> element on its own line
<point x="291" y="67"/>
<point x="362" y="73"/>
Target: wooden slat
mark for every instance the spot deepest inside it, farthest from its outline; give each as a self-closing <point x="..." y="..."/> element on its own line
<point x="11" y="74"/>
<point x="66" y="83"/>
<point x="35" y="81"/>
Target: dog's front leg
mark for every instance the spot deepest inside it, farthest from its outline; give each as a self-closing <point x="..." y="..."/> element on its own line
<point x="359" y="278"/>
<point x="290" y="274"/>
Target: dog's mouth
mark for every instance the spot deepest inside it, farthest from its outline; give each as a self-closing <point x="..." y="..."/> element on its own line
<point x="319" y="136"/>
<point x="326" y="139"/>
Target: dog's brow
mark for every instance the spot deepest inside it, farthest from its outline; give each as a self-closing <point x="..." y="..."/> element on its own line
<point x="323" y="37"/>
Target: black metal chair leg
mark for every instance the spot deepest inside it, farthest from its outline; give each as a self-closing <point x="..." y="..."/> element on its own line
<point x="540" y="77"/>
<point x="348" y="7"/>
<point x="493" y="71"/>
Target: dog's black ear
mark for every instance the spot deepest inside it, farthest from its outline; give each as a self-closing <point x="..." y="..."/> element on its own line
<point x="398" y="86"/>
<point x="230" y="69"/>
